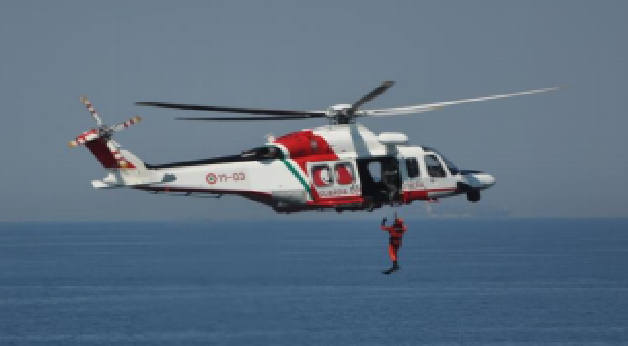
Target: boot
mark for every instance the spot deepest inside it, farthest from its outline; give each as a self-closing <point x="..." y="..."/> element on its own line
<point x="392" y="269"/>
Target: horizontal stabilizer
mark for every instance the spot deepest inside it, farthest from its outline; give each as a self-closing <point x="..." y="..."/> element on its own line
<point x="130" y="178"/>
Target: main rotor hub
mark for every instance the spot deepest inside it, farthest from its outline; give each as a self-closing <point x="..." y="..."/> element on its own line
<point x="339" y="114"/>
<point x="340" y="107"/>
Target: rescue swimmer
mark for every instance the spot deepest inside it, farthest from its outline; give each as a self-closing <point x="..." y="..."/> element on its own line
<point x="396" y="232"/>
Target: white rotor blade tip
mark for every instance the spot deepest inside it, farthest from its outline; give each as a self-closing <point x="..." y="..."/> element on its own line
<point x="438" y="105"/>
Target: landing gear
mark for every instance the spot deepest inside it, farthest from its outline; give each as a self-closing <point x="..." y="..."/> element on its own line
<point x="473" y="195"/>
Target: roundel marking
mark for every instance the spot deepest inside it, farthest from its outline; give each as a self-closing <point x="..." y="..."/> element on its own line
<point x="211" y="178"/>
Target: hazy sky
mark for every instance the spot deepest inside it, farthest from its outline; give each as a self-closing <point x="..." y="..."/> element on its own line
<point x="556" y="154"/>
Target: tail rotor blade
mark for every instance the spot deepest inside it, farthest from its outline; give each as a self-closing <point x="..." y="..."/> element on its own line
<point x="91" y="109"/>
<point x="126" y="124"/>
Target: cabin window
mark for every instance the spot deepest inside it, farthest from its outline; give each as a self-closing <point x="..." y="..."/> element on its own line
<point x="375" y="170"/>
<point x="434" y="167"/>
<point x="321" y="175"/>
<point x="344" y="173"/>
<point x="412" y="165"/>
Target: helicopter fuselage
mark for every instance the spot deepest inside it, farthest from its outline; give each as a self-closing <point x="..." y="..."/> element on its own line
<point x="334" y="167"/>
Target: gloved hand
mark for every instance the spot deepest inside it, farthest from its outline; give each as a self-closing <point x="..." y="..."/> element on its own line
<point x="384" y="221"/>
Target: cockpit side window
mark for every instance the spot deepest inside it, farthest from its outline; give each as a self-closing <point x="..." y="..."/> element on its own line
<point x="412" y="166"/>
<point x="453" y="169"/>
<point x="434" y="167"/>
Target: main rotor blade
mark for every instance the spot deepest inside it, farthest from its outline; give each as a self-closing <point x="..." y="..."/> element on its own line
<point x="370" y="96"/>
<point x="230" y="109"/>
<point x="437" y="105"/>
<point x="254" y="118"/>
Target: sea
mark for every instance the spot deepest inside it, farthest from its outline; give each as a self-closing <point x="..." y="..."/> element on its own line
<point x="462" y="281"/>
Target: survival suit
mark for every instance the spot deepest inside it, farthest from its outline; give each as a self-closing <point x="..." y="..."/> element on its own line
<point x="396" y="232"/>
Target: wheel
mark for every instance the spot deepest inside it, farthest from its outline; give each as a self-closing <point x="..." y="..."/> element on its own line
<point x="473" y="195"/>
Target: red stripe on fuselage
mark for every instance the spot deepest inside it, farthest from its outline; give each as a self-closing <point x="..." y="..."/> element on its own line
<point x="336" y="201"/>
<point x="421" y="195"/>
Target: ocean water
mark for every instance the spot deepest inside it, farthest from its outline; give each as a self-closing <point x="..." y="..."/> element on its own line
<point x="478" y="282"/>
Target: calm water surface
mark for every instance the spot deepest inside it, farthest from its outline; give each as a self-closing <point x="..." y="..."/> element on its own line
<point x="472" y="281"/>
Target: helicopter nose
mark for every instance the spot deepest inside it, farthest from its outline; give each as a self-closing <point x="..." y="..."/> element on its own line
<point x="486" y="180"/>
<point x="478" y="180"/>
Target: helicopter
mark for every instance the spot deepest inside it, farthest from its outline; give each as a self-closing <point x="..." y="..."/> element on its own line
<point x="339" y="166"/>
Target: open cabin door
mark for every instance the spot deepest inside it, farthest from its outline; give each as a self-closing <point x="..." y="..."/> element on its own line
<point x="380" y="178"/>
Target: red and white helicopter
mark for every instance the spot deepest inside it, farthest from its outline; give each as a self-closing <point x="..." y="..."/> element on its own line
<point x="340" y="166"/>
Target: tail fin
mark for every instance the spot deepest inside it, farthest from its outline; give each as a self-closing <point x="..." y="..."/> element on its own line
<point x="111" y="156"/>
<point x="126" y="169"/>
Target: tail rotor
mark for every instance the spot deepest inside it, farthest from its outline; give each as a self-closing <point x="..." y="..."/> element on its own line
<point x="99" y="141"/>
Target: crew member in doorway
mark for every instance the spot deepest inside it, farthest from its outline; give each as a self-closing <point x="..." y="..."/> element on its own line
<point x="396" y="232"/>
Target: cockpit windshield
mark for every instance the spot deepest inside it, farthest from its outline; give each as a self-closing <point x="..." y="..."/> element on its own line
<point x="453" y="169"/>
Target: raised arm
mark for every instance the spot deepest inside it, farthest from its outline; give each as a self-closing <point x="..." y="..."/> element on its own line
<point x="384" y="227"/>
<point x="387" y="229"/>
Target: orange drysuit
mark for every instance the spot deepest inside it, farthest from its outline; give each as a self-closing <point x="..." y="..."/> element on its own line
<point x="396" y="233"/>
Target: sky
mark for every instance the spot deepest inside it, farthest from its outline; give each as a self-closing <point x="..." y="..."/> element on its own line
<point x="559" y="154"/>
